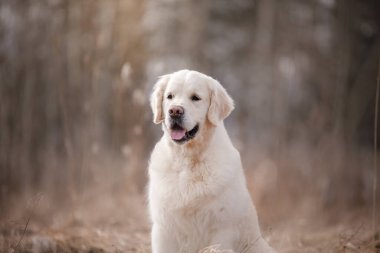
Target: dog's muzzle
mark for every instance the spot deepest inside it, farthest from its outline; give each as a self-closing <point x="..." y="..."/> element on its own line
<point x="177" y="132"/>
<point x="180" y="135"/>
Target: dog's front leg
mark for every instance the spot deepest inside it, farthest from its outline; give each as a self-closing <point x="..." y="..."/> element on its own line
<point x="162" y="241"/>
<point x="223" y="239"/>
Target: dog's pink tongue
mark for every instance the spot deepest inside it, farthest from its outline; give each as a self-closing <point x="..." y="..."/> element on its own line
<point x="177" y="134"/>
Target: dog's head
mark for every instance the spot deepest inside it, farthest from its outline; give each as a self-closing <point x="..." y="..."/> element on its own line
<point x="187" y="102"/>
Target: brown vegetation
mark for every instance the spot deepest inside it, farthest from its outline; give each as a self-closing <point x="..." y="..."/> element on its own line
<point x="76" y="131"/>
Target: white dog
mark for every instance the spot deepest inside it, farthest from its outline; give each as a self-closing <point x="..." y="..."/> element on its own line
<point x="197" y="190"/>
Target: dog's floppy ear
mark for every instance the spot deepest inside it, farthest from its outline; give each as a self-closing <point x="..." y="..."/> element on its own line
<point x="157" y="97"/>
<point x="221" y="104"/>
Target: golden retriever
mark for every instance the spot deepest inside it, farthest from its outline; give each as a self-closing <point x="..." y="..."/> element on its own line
<point x="197" y="188"/>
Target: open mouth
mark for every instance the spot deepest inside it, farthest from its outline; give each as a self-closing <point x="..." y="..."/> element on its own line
<point x="179" y="134"/>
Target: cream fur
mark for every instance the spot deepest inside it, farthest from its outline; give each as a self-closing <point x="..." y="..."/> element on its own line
<point x="197" y="190"/>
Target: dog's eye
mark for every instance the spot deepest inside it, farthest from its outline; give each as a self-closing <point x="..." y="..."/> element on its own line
<point x="195" y="98"/>
<point x="170" y="96"/>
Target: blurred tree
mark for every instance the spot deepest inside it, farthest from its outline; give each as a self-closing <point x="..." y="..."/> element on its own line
<point x="75" y="77"/>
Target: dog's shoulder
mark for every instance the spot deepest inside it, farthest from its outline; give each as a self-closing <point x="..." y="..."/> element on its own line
<point x="160" y="155"/>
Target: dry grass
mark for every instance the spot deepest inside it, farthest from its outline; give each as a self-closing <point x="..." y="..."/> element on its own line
<point x="113" y="219"/>
<point x="120" y="224"/>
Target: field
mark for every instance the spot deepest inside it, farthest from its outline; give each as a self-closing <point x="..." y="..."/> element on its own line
<point x="118" y="222"/>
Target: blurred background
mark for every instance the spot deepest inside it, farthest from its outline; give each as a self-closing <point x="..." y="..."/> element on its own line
<point x="76" y="128"/>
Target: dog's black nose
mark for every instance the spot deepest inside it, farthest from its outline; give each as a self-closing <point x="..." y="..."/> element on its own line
<point x="176" y="111"/>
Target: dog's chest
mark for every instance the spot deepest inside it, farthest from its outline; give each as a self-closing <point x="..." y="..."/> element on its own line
<point x="193" y="173"/>
<point x="188" y="184"/>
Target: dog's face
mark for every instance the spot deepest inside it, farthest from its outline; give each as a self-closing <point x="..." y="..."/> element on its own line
<point x="186" y="102"/>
